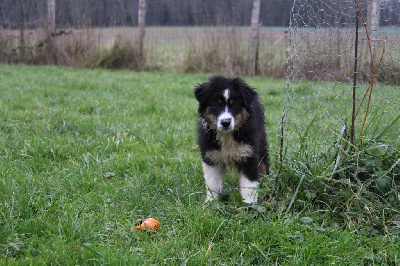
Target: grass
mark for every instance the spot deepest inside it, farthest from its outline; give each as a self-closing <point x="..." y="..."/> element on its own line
<point x="84" y="153"/>
<point x="358" y="184"/>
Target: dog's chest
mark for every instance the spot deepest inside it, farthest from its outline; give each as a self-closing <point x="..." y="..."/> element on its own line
<point x="231" y="151"/>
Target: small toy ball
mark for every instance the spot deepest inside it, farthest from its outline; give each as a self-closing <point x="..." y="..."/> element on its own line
<point x="149" y="223"/>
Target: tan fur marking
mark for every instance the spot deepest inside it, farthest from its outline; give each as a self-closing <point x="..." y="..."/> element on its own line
<point x="231" y="151"/>
<point x="210" y="118"/>
<point x="241" y="117"/>
<point x="262" y="168"/>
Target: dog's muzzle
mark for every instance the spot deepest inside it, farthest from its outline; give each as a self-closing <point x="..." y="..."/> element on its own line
<point x="225" y="122"/>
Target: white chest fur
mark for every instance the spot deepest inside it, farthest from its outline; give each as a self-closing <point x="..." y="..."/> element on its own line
<point x="231" y="150"/>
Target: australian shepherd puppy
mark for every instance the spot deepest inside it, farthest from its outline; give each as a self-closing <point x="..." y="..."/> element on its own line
<point x="231" y="133"/>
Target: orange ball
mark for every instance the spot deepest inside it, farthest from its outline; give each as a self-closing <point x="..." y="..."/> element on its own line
<point x="149" y="223"/>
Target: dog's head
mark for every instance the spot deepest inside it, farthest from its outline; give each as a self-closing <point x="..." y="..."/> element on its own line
<point x="224" y="103"/>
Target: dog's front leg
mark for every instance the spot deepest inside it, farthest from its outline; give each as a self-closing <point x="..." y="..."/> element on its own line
<point x="213" y="174"/>
<point x="248" y="189"/>
<point x="248" y="180"/>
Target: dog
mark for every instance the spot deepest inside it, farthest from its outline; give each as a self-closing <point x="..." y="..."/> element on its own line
<point x="231" y="134"/>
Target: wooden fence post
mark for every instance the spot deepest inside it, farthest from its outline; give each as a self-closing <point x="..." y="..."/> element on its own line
<point x="373" y="17"/>
<point x="255" y="23"/>
<point x="142" y="24"/>
<point x="21" y="31"/>
<point x="51" y="16"/>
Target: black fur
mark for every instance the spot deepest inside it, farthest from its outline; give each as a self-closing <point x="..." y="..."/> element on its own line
<point x="251" y="131"/>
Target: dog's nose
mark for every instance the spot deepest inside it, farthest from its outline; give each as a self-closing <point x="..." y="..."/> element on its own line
<point x="226" y="122"/>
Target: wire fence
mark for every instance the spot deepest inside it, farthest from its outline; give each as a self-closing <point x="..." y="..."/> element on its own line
<point x="322" y="72"/>
<point x="340" y="134"/>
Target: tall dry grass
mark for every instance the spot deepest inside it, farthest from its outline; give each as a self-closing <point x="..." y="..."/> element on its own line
<point x="227" y="52"/>
<point x="192" y="49"/>
<point x="212" y="49"/>
<point x="72" y="48"/>
<point x="216" y="51"/>
<point x="61" y="48"/>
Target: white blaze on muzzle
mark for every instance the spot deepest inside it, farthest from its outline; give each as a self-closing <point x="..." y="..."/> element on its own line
<point x="225" y="121"/>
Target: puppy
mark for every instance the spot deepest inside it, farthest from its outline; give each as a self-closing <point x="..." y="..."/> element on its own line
<point x="231" y="133"/>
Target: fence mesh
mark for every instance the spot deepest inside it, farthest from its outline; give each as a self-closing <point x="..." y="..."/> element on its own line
<point x="343" y="63"/>
<point x="320" y="76"/>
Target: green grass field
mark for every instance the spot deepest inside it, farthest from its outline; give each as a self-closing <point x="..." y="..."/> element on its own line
<point x="84" y="153"/>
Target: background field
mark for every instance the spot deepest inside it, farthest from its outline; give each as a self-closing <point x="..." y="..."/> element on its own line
<point x="84" y="153"/>
<point x="177" y="49"/>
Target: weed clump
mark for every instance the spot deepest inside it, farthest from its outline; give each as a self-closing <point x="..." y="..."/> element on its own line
<point x="359" y="185"/>
<point x="122" y="55"/>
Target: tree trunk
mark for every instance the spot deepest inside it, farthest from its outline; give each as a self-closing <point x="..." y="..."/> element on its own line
<point x="255" y="21"/>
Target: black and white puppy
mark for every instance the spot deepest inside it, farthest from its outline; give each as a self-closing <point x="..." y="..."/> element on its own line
<point x="231" y="133"/>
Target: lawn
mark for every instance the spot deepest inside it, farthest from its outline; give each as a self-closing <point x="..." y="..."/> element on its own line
<point x="84" y="153"/>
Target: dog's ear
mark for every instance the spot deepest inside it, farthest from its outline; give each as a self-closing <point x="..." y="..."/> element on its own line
<point x="201" y="91"/>
<point x="247" y="92"/>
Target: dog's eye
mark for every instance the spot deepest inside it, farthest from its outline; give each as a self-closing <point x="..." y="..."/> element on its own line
<point x="235" y="104"/>
<point x="217" y="103"/>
